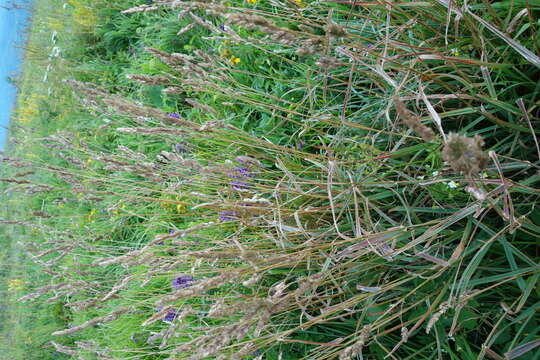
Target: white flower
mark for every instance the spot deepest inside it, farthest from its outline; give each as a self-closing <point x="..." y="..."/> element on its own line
<point x="435" y="173"/>
<point x="452" y="184"/>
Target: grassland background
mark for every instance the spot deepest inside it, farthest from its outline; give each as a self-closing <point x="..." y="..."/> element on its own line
<point x="318" y="122"/>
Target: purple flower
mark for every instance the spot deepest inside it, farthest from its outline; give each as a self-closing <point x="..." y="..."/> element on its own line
<point x="241" y="172"/>
<point x="171" y="315"/>
<point x="182" y="282"/>
<point x="246" y="160"/>
<point x="223" y="27"/>
<point x="174" y="115"/>
<point x="239" y="185"/>
<point x="181" y="148"/>
<point x="228" y="215"/>
<point x="244" y="171"/>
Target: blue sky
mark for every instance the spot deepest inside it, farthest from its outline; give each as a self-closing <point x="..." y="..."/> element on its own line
<point x="12" y="26"/>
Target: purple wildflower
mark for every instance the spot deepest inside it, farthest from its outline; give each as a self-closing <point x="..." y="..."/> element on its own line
<point x="228" y="215"/>
<point x="182" y="282"/>
<point x="171" y="315"/>
<point x="239" y="185"/>
<point x="174" y="115"/>
<point x="241" y="172"/>
<point x="244" y="171"/>
<point x="223" y="27"/>
<point x="181" y="148"/>
<point x="246" y="160"/>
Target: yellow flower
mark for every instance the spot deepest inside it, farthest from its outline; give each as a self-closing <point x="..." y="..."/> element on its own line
<point x="92" y="214"/>
<point x="234" y="60"/>
<point x="252" y="1"/>
<point x="15" y="285"/>
<point x="224" y="53"/>
<point x="180" y="208"/>
<point x="300" y="3"/>
<point x="89" y="161"/>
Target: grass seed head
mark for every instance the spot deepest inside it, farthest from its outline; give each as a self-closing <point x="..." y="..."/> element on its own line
<point x="465" y="154"/>
<point x="412" y="121"/>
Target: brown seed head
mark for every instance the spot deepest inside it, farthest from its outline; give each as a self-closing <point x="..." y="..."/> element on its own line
<point x="464" y="154"/>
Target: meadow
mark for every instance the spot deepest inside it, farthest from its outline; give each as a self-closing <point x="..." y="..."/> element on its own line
<point x="274" y="179"/>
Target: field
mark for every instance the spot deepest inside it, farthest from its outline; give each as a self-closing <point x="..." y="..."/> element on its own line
<point x="274" y="179"/>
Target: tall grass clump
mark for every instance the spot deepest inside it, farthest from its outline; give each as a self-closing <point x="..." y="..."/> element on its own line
<point x="291" y="180"/>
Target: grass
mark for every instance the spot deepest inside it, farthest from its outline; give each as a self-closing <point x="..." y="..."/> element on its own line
<point x="274" y="180"/>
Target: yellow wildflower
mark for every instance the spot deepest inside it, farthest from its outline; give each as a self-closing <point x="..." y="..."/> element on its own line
<point x="234" y="60"/>
<point x="252" y="1"/>
<point x="224" y="53"/>
<point x="92" y="215"/>
<point x="15" y="285"/>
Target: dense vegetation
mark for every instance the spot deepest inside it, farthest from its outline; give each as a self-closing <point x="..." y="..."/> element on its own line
<point x="274" y="180"/>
